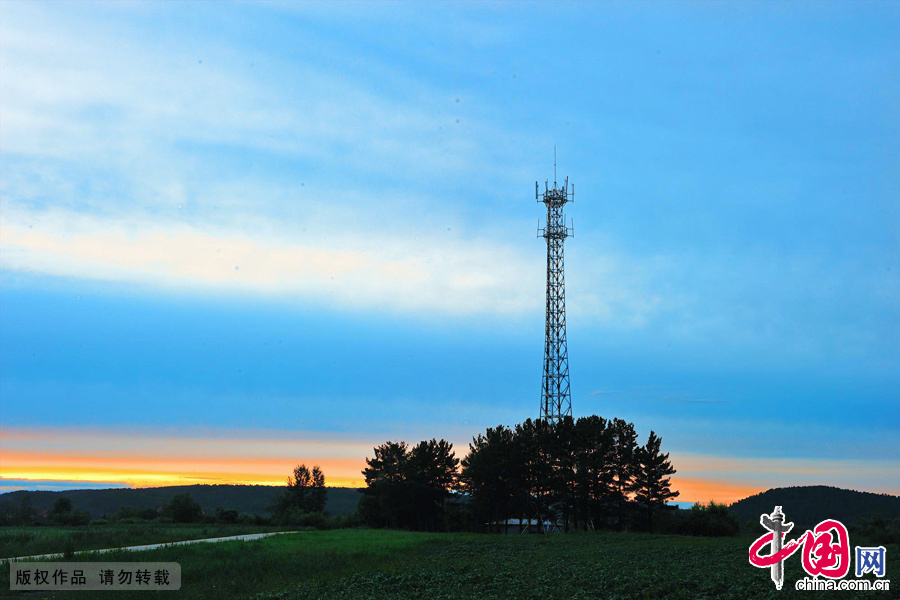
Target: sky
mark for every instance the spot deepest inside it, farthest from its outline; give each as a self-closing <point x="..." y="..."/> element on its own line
<point x="235" y="237"/>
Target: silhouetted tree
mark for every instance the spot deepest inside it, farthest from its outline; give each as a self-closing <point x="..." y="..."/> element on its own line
<point x="594" y="456"/>
<point x="62" y="506"/>
<point x="408" y="487"/>
<point x="651" y="484"/>
<point x="575" y="473"/>
<point x="535" y="495"/>
<point x="491" y="476"/>
<point x="432" y="474"/>
<point x="307" y="489"/>
<point x="385" y="501"/>
<point x="63" y="513"/>
<point x="623" y="466"/>
<point x="305" y="493"/>
<point x="584" y="474"/>
<point x="562" y="454"/>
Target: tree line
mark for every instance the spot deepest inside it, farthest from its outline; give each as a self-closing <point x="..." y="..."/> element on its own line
<point x="584" y="474"/>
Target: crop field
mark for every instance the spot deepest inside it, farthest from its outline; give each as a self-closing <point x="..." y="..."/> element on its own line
<point x="373" y="564"/>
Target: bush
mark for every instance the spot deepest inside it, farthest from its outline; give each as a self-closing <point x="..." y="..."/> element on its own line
<point x="315" y="520"/>
<point x="229" y="516"/>
<point x="295" y="516"/>
<point x="133" y="514"/>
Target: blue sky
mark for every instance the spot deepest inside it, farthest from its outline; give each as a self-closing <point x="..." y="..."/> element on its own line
<point x="316" y="221"/>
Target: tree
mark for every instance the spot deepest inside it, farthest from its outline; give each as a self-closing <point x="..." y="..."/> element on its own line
<point x="385" y="501"/>
<point x="594" y="449"/>
<point x="491" y="475"/>
<point x="408" y="487"/>
<point x="63" y="513"/>
<point x="62" y="506"/>
<point x="304" y="494"/>
<point x="533" y="486"/>
<point x="185" y="509"/>
<point x="432" y="474"/>
<point x="573" y="473"/>
<point x="623" y="464"/>
<point x="388" y="465"/>
<point x="560" y="453"/>
<point x="652" y="485"/>
<point x="306" y="488"/>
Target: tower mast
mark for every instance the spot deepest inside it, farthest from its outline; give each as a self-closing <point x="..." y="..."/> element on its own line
<point x="556" y="399"/>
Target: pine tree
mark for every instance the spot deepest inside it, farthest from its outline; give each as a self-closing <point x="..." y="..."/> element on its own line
<point x="432" y="474"/>
<point x="386" y="498"/>
<point x="652" y="485"/>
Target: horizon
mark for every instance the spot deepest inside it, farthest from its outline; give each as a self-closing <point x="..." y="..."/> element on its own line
<point x="676" y="503"/>
<point x="239" y="237"/>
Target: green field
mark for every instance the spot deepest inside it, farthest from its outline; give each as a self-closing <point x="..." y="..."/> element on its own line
<point x="371" y="564"/>
<point x="27" y="541"/>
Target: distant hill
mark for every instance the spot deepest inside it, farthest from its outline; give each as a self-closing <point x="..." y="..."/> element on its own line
<point x="807" y="506"/>
<point x="253" y="499"/>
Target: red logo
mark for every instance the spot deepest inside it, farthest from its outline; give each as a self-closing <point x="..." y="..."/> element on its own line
<point x="826" y="550"/>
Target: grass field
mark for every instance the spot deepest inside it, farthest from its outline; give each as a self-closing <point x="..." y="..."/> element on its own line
<point x="370" y="564"/>
<point x="25" y="541"/>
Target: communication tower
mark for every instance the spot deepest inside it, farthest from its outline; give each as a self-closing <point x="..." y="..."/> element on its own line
<point x="556" y="399"/>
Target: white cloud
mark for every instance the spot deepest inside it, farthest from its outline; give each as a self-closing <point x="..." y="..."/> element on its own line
<point x="356" y="269"/>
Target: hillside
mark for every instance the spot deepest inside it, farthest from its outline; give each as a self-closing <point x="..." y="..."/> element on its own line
<point x="253" y="499"/>
<point x="807" y="506"/>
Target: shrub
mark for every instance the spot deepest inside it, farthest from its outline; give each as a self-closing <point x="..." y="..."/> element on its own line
<point x="226" y="516"/>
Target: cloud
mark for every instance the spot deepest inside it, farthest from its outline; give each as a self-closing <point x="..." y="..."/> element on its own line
<point x="355" y="269"/>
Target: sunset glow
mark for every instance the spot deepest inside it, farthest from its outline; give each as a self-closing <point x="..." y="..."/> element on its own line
<point x="150" y="459"/>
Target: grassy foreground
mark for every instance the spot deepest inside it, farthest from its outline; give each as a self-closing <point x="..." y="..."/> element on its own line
<point x="27" y="541"/>
<point x="369" y="564"/>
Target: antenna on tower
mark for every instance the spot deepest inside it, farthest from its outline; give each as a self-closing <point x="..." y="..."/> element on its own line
<point x="554" y="165"/>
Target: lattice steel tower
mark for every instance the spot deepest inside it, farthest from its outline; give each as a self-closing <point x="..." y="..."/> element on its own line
<point x="556" y="400"/>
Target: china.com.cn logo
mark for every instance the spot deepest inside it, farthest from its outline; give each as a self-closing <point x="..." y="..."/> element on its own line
<point x="826" y="553"/>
